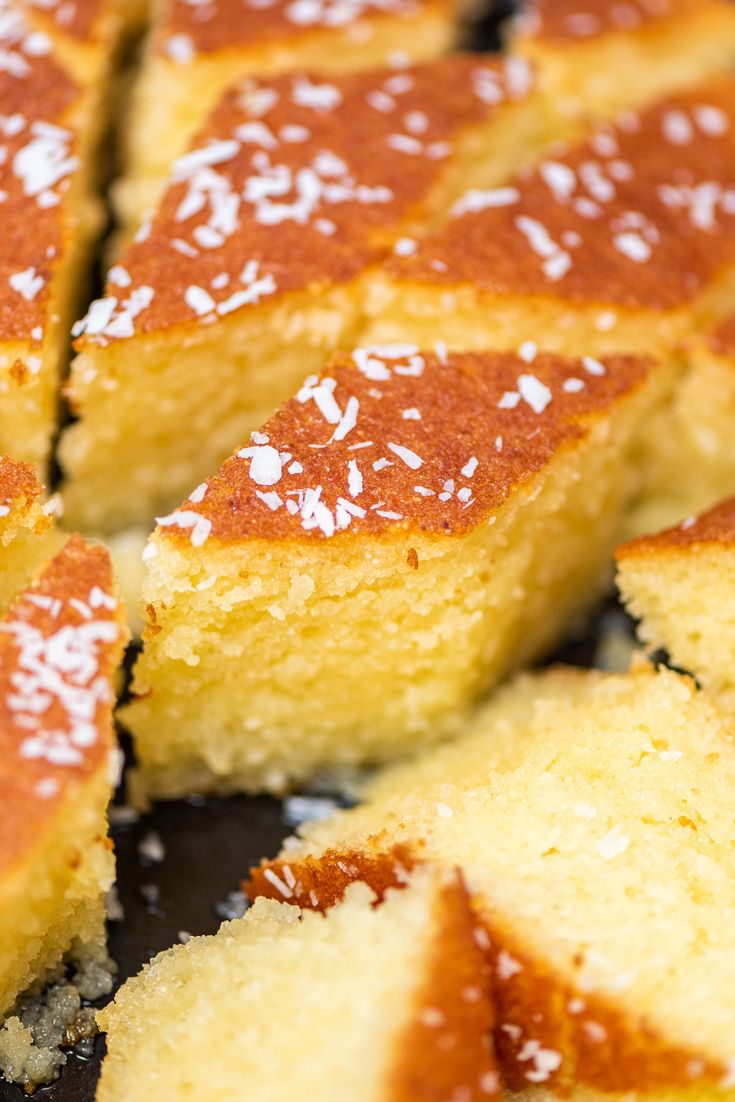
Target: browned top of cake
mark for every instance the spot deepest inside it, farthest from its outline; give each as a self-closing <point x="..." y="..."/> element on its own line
<point x="451" y="1054"/>
<point x="715" y="526"/>
<point x="403" y="440"/>
<point x="641" y="215"/>
<point x="295" y="181"/>
<point x="17" y="480"/>
<point x="323" y="880"/>
<point x="242" y="24"/>
<point x="59" y="646"/>
<point x="37" y="159"/>
<point x="564" y="22"/>
<point x="74" y="17"/>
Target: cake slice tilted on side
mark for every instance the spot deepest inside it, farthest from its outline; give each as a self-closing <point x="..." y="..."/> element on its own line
<point x="189" y="62"/>
<point x="401" y="534"/>
<point x="591" y="815"/>
<point x="246" y="280"/>
<point x="603" y="57"/>
<point x="680" y="584"/>
<point x="60" y="644"/>
<point x="386" y="1004"/>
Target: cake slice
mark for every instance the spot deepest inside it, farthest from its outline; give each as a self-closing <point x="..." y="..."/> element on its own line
<point x="386" y="1003"/>
<point x="246" y="278"/>
<point x="28" y="537"/>
<point x="626" y="241"/>
<point x="591" y="815"/>
<point x="60" y="645"/>
<point x="89" y="38"/>
<point x="49" y="219"/>
<point x="52" y="114"/>
<point x="621" y="242"/>
<point x="689" y="455"/>
<point x="604" y="56"/>
<point x="96" y="42"/>
<point x="679" y="584"/>
<point x="191" y="59"/>
<point x="401" y="534"/>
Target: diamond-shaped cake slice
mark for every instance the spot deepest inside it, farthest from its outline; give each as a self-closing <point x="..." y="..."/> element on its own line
<point x="61" y="641"/>
<point x="406" y="530"/>
<point x="614" y="244"/>
<point x="387" y="1002"/>
<point x="604" y="56"/>
<point x="194" y="53"/>
<point x="88" y="38"/>
<point x="626" y="241"/>
<point x="52" y="112"/>
<point x="247" y="277"/>
<point x="49" y="220"/>
<point x="591" y="815"/>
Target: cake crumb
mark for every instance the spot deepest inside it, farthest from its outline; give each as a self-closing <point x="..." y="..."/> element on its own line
<point x="44" y="1025"/>
<point x="151" y="894"/>
<point x="233" y="906"/>
<point x="122" y="815"/>
<point x="151" y="849"/>
<point x="114" y="910"/>
<point x="307" y="809"/>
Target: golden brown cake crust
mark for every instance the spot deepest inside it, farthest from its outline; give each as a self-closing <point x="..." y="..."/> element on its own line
<point x="447" y="1050"/>
<point x="716" y="526"/>
<point x="322" y="881"/>
<point x="641" y="215"/>
<point x="222" y="24"/>
<point x="385" y="443"/>
<point x="59" y="646"/>
<point x="37" y="157"/>
<point x="547" y="1032"/>
<point x="17" y="480"/>
<point x="553" y="1033"/>
<point x="566" y="22"/>
<point x="296" y="181"/>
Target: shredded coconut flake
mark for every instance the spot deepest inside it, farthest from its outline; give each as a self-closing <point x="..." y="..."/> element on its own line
<point x="187" y="518"/>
